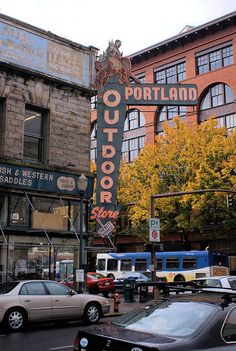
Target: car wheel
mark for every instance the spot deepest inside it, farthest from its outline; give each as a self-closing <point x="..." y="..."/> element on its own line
<point x="92" y="313"/>
<point x="15" y="319"/>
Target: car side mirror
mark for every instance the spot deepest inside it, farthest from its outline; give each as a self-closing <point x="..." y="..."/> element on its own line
<point x="72" y="292"/>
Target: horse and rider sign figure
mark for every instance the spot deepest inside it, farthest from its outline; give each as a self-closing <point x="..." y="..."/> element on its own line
<point x="118" y="88"/>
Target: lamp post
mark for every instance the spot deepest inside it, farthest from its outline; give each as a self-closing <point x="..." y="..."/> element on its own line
<point x="82" y="185"/>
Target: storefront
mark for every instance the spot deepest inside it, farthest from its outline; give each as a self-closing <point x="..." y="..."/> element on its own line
<point x="40" y="222"/>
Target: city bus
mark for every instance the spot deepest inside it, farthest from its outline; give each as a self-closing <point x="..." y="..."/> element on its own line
<point x="170" y="266"/>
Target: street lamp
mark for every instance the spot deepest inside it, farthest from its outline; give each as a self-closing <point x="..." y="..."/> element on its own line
<point x="82" y="185"/>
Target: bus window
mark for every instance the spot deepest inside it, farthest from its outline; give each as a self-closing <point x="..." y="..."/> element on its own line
<point x="159" y="264"/>
<point x="189" y="262"/>
<point x="112" y="264"/>
<point x="125" y="265"/>
<point x="172" y="263"/>
<point x="101" y="264"/>
<point x="140" y="264"/>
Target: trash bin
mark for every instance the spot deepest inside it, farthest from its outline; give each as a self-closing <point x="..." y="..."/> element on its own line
<point x="129" y="288"/>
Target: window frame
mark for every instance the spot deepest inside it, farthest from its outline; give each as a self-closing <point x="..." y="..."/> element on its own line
<point x="40" y="137"/>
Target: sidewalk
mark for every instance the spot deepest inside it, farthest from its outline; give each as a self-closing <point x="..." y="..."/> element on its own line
<point x="125" y="307"/>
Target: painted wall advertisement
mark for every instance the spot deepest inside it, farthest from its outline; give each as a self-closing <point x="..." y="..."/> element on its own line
<point x="19" y="46"/>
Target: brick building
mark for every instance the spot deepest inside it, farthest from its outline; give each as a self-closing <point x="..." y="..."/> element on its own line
<point x="46" y="83"/>
<point x="203" y="55"/>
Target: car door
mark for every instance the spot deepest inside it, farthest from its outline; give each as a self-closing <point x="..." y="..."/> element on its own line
<point x="36" y="300"/>
<point x="65" y="303"/>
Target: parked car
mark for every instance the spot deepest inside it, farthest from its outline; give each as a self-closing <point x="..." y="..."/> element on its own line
<point x="226" y="281"/>
<point x="98" y="283"/>
<point x="42" y="300"/>
<point x="138" y="277"/>
<point x="184" y="322"/>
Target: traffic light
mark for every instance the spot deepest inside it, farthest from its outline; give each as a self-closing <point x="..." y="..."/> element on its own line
<point x="229" y="200"/>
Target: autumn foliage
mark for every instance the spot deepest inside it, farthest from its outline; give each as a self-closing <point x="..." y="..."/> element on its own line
<point x="186" y="157"/>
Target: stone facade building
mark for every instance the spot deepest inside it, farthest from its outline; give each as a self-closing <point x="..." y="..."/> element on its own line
<point x="46" y="83"/>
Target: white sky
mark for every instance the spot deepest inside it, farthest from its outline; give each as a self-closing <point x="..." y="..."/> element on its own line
<point x="137" y="23"/>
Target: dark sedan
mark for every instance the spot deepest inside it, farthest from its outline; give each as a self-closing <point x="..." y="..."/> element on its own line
<point x="137" y="277"/>
<point x="186" y="322"/>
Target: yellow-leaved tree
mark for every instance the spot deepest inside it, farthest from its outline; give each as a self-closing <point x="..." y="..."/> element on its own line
<point x="186" y="157"/>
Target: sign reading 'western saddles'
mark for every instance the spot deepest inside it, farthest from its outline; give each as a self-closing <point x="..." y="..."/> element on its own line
<point x="115" y="93"/>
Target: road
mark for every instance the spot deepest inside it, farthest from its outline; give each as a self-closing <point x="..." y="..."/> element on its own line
<point x="43" y="337"/>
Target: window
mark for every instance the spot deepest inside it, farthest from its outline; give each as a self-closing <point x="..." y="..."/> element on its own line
<point x="215" y="59"/>
<point x="189" y="263"/>
<point x="94" y="102"/>
<point x="125" y="265"/>
<point x="57" y="289"/>
<point x="159" y="264"/>
<point x="19" y="210"/>
<point x="172" y="263"/>
<point x="170" y="75"/>
<point x="112" y="264"/>
<point x="50" y="213"/>
<point x="131" y="148"/>
<point x="101" y="264"/>
<point x="34" y="135"/>
<point x="168" y="113"/>
<point x="217" y="95"/>
<point x="229" y="330"/>
<point x="93" y="154"/>
<point x="140" y="264"/>
<point x="228" y="121"/>
<point x="35" y="288"/>
<point x="135" y="119"/>
<point x="94" y="131"/>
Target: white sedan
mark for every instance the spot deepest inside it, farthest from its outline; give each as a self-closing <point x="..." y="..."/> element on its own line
<point x="43" y="300"/>
<point x="226" y="281"/>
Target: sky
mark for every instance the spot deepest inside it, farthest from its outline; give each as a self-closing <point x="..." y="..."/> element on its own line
<point x="137" y="23"/>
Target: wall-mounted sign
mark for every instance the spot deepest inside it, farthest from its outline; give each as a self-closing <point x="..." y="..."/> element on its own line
<point x="29" y="178"/>
<point x="115" y="93"/>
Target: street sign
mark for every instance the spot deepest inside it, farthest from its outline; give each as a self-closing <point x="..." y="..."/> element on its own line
<point x="79" y="275"/>
<point x="154" y="223"/>
<point x="154" y="235"/>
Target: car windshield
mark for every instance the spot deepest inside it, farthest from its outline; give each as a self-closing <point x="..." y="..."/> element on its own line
<point x="7" y="287"/>
<point x="176" y="318"/>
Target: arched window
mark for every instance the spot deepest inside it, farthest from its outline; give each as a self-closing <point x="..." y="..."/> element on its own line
<point x="167" y="113"/>
<point x="134" y="119"/>
<point x="219" y="101"/>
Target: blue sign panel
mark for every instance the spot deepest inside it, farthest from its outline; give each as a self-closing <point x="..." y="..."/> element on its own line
<point x="26" y="178"/>
<point x="32" y="51"/>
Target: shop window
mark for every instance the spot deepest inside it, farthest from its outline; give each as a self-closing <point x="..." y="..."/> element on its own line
<point x="75" y="216"/>
<point x="49" y="213"/>
<point x="3" y="209"/>
<point x="19" y="211"/>
<point x="34" y="138"/>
